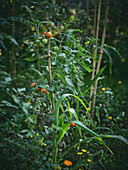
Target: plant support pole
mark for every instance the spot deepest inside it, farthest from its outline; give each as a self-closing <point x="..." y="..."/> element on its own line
<point x="13" y="50"/>
<point x="49" y="61"/>
<point x="96" y="32"/>
<point x="101" y="54"/>
<point x="49" y="65"/>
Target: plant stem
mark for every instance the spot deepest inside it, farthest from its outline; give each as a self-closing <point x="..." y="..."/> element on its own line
<point x="101" y="54"/>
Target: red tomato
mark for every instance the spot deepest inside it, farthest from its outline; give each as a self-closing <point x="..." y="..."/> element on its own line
<point x="72" y="124"/>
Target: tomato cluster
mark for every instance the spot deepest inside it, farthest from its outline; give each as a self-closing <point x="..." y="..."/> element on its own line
<point x="38" y="89"/>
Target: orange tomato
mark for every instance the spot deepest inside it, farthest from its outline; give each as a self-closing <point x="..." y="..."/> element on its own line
<point x="38" y="89"/>
<point x="22" y="45"/>
<point x="32" y="85"/>
<point x="48" y="35"/>
<point x="43" y="32"/>
<point x="43" y="91"/>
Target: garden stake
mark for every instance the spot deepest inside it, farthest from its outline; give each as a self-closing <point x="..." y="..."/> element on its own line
<point x="49" y="65"/>
<point x="13" y="50"/>
<point x="49" y="60"/>
<point x="38" y="59"/>
<point x="96" y="33"/>
<point x="100" y="57"/>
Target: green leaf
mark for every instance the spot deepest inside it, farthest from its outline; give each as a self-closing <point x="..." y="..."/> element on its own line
<point x="98" y="137"/>
<point x="68" y="151"/>
<point x="62" y="132"/>
<point x="87" y="129"/>
<point x="86" y="68"/>
<point x="116" y="137"/>
<point x="21" y="89"/>
<point x="7" y="104"/>
<point x="35" y="70"/>
<point x="113" y="48"/>
<point x="12" y="39"/>
<point x="57" y="106"/>
<point x="96" y="77"/>
<point x="110" y="60"/>
<point x="30" y="58"/>
<point x="61" y="77"/>
<point x="69" y="82"/>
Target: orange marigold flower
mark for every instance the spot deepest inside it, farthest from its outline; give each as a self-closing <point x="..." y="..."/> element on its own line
<point x="67" y="163"/>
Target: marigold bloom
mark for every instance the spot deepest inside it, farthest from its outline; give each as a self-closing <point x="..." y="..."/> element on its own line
<point x="101" y="134"/>
<point x="29" y="102"/>
<point x="119" y="82"/>
<point x="0" y="53"/>
<point x="31" y="136"/>
<point x="79" y="153"/>
<point x="67" y="163"/>
<point x="83" y="150"/>
<point x="89" y="160"/>
<point x="103" y="89"/>
<point x="110" y="117"/>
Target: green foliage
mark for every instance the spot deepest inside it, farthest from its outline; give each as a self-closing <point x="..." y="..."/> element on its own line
<point x="35" y="128"/>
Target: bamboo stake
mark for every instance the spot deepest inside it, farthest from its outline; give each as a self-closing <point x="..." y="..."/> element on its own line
<point x="96" y="34"/>
<point x="49" y="65"/>
<point x="13" y="50"/>
<point x="101" y="53"/>
<point x="38" y="59"/>
<point x="49" y="60"/>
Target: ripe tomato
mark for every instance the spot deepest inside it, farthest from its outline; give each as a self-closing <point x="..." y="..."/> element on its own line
<point x="48" y="35"/>
<point x="43" y="91"/>
<point x="43" y="32"/>
<point x="72" y="124"/>
<point x="38" y="89"/>
<point x="32" y="85"/>
<point x="22" y="45"/>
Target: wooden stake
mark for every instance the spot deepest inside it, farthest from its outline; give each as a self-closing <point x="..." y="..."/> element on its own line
<point x="96" y="34"/>
<point x="50" y="73"/>
<point x="13" y="50"/>
<point x="101" y="54"/>
<point x="49" y="60"/>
